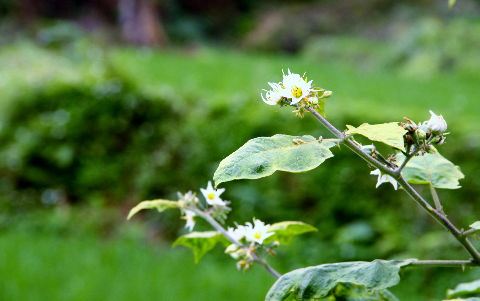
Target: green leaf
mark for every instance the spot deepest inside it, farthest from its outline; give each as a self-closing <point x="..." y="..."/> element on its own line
<point x="443" y="173"/>
<point x="388" y="133"/>
<point x="451" y="3"/>
<point x="350" y="292"/>
<point x="286" y="231"/>
<point x="200" y="242"/>
<point x="464" y="289"/>
<point x="261" y="157"/>
<point x="161" y="206"/>
<point x="316" y="282"/>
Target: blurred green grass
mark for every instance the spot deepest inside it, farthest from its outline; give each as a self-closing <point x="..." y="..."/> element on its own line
<point x="46" y="263"/>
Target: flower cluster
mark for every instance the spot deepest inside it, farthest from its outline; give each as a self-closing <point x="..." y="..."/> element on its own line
<point x="257" y="232"/>
<point x="295" y="90"/>
<point x="212" y="197"/>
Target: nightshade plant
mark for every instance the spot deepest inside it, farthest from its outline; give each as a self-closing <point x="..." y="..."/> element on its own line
<point x="415" y="159"/>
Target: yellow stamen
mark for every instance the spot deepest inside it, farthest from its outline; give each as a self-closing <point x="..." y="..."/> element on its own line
<point x="211" y="196"/>
<point x="296" y="91"/>
<point x="258" y="235"/>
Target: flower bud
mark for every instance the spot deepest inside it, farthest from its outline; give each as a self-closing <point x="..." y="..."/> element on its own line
<point x="431" y="149"/>
<point x="421" y="135"/>
<point x="327" y="94"/>
<point x="437" y="125"/>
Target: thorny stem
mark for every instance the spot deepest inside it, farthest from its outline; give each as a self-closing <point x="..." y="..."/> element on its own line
<point x="222" y="230"/>
<point x="436" y="214"/>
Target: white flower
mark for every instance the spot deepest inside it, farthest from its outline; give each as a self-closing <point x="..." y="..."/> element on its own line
<point x="213" y="196"/>
<point x="384" y="178"/>
<point x="437" y="125"/>
<point x="235" y="233"/>
<point x="295" y="87"/>
<point x="275" y="95"/>
<point x="257" y="233"/>
<point x="190" y="220"/>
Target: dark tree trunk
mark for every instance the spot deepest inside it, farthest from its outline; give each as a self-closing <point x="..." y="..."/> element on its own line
<point x="140" y="23"/>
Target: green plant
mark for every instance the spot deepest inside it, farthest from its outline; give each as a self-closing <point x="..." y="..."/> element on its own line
<point x="415" y="160"/>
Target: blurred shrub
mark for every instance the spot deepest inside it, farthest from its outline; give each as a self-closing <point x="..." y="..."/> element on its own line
<point x="423" y="49"/>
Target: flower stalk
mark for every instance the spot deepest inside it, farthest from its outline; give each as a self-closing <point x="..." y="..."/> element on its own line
<point x="224" y="232"/>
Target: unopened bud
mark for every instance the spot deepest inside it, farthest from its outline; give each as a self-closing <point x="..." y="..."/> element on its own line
<point x="421" y="134"/>
<point x="437" y="125"/>
<point x="431" y="149"/>
<point x="327" y="94"/>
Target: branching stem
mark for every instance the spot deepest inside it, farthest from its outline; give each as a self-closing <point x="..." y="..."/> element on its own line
<point x="222" y="230"/>
<point x="438" y="215"/>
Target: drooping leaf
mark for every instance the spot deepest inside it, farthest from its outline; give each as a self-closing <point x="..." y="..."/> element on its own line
<point x="261" y="157"/>
<point x="464" y="289"/>
<point x="388" y="133"/>
<point x="350" y="292"/>
<point x="161" y="205"/>
<point x="200" y="242"/>
<point x="475" y="225"/>
<point x="286" y="231"/>
<point x="443" y="173"/>
<point x="316" y="282"/>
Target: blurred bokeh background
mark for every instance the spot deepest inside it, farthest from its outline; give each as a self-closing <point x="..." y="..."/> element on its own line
<point x="107" y="103"/>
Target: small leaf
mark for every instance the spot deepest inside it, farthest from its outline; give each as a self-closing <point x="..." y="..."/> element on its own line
<point x="464" y="289"/>
<point x="161" y="206"/>
<point x="286" y="231"/>
<point x="388" y="133"/>
<point x="261" y="157"/>
<point x="443" y="173"/>
<point x="200" y="242"/>
<point x="321" y="107"/>
<point x="475" y="225"/>
<point x="316" y="282"/>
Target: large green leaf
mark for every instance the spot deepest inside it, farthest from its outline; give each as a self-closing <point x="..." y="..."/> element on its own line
<point x="286" y="231"/>
<point x="464" y="289"/>
<point x="388" y="133"/>
<point x="200" y="242"/>
<point x="261" y="157"/>
<point x="420" y="169"/>
<point x="316" y="282"/>
<point x="161" y="205"/>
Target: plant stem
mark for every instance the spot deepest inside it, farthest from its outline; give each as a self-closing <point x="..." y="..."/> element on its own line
<point x="470" y="232"/>
<point x="436" y="214"/>
<point x="222" y="230"/>
<point x="350" y="144"/>
<point x="444" y="263"/>
<point x="404" y="163"/>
